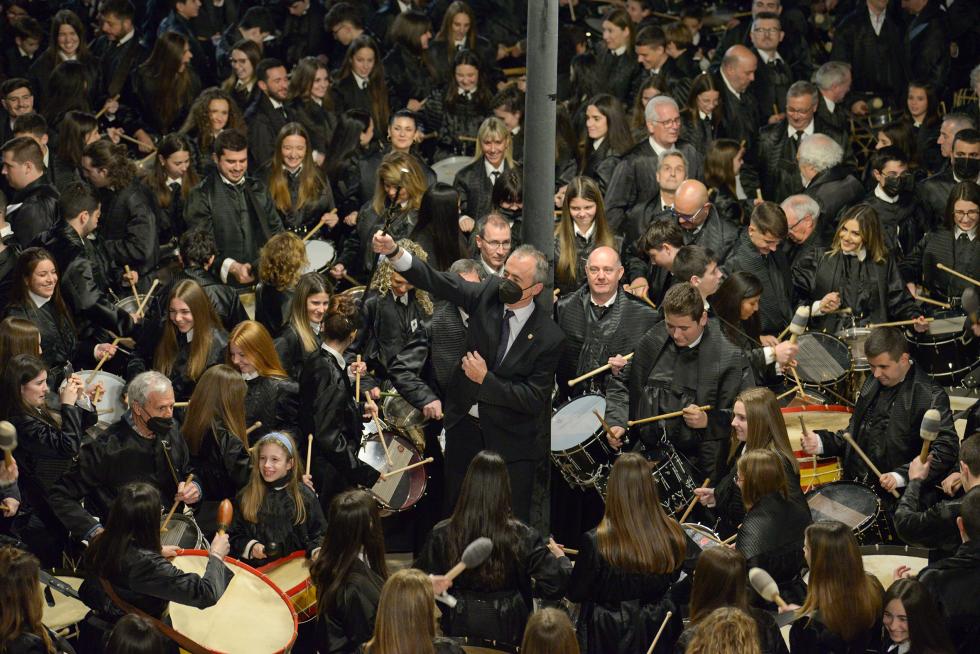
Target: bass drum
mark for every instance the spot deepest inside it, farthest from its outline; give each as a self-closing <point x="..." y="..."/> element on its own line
<point x="401" y="491"/>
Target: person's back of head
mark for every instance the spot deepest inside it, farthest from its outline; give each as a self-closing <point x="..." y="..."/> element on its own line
<point x="549" y="631"/>
<point x="134" y="634"/>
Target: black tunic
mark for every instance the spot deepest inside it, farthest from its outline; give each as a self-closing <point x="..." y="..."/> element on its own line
<point x="142" y="360"/>
<point x="342" y="628"/>
<point x="771" y="538"/>
<point x="276" y="524"/>
<point x="222" y="463"/>
<point x="273" y="401"/>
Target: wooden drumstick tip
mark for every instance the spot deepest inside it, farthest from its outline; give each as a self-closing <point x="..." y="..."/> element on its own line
<point x="663" y="625"/>
<point x="392" y="473"/>
<point x="694" y="501"/>
<point x="258" y="423"/>
<point x="163" y="527"/>
<point x="225" y="514"/>
<point x="309" y="451"/>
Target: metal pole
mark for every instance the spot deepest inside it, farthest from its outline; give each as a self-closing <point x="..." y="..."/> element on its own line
<point x="539" y="127"/>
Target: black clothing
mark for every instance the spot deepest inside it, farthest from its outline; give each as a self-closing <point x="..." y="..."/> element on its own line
<point x="771" y="538"/>
<point x="775" y="308"/>
<point x="618" y="75"/>
<point x="128" y="227"/>
<point x="222" y="464"/>
<point x="272" y="307"/>
<point x="811" y="636"/>
<point x="634" y="182"/>
<point x="117" y="64"/>
<point x="933" y="193"/>
<point x="343" y="627"/>
<point x="289" y="347"/>
<point x="593" y="335"/>
<point x="769" y="87"/>
<point x="449" y="119"/>
<point x="729" y="207"/>
<point x="952" y="583"/>
<point x="902" y="223"/>
<point x="475" y="190"/>
<point x="834" y="189"/>
<point x="223" y="298"/>
<point x="221" y="208"/>
<point x="36" y="213"/>
<point x="932" y="526"/>
<point x="961" y="254"/>
<point x="334" y="419"/>
<point x="621" y="610"/>
<point x="367" y="171"/>
<point x="442" y="61"/>
<point x="874" y="291"/>
<point x="741" y="117"/>
<point x="497" y="611"/>
<point x="402" y="225"/>
<point x="318" y="120"/>
<point x="780" y="173"/>
<point x="875" y="66"/>
<point x="117" y="457"/>
<point x="722" y="371"/>
<point x="273" y="401"/>
<point x="407" y="76"/>
<point x="300" y="219"/>
<point x="201" y="58"/>
<point x="147" y="94"/>
<point x="276" y="524"/>
<point x="264" y="122"/>
<point x="59" y="342"/>
<point x="925" y="53"/>
<point x="448" y="343"/>
<point x="715" y="234"/>
<point x="891" y="442"/>
<point x="146" y="344"/>
<point x="728" y="496"/>
<point x="149" y="582"/>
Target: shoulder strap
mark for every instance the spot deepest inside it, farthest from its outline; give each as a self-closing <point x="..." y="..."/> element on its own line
<point x="186" y="643"/>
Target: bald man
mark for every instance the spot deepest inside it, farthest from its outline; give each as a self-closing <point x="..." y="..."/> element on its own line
<point x="700" y="222"/>
<point x="741" y="120"/>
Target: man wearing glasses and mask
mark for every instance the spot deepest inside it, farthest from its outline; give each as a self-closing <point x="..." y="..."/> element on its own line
<point x="499" y="398"/>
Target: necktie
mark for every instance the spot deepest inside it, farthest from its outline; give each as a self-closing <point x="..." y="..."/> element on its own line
<point x="797" y="138"/>
<point x="963" y="238"/>
<point x="493" y="178"/>
<point x="504" y="338"/>
<point x="598" y="311"/>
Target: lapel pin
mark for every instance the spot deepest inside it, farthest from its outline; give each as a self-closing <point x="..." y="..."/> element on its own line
<point x="530" y="336"/>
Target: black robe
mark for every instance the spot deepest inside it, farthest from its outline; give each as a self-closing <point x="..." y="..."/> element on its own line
<point x="273" y="401"/>
<point x="771" y="538"/>
<point x="276" y="524"/>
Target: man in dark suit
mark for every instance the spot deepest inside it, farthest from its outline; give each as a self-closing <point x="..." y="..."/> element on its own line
<point x="651" y="52"/>
<point x="682" y="363"/>
<point x="827" y="180"/>
<point x="634" y="182"/>
<point x="235" y="208"/>
<point x="269" y="113"/>
<point x="834" y="81"/>
<point x="741" y="119"/>
<point x="650" y="268"/>
<point x="758" y="252"/>
<point x="119" y="52"/>
<point x="925" y="55"/>
<point x="887" y="416"/>
<point x="500" y="397"/>
<point x="870" y="40"/>
<point x="803" y="228"/>
<point x="780" y="141"/>
<point x="33" y="207"/>
<point x="774" y="75"/>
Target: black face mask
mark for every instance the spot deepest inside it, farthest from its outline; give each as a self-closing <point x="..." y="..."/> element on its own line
<point x="160" y="426"/>
<point x="965" y="168"/>
<point x="899" y="184"/>
<point x="509" y="292"/>
<point x="511" y="215"/>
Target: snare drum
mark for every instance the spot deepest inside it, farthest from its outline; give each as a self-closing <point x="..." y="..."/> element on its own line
<point x="881" y="561"/>
<point x="291" y="575"/>
<point x="401" y="491"/>
<point x="948" y="351"/>
<point x="112" y="403"/>
<point x="824" y="361"/>
<point x="67" y="613"/>
<point x="674" y="483"/>
<point x="182" y="532"/>
<point x="853" y="504"/>
<point x="701" y="535"/>
<point x="832" y="418"/>
<point x="320" y="255"/>
<point x="253" y="615"/>
<point x="578" y="442"/>
<point x="855" y="337"/>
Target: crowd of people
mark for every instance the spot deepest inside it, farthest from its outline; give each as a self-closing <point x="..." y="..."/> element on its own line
<point x="273" y="252"/>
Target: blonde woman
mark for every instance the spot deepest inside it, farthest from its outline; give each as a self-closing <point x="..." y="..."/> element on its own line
<point x="281" y="263"/>
<point x="581" y="229"/>
<point x="494" y="156"/>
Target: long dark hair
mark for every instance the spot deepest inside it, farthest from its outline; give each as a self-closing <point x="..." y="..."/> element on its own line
<point x="155" y="176"/>
<point x="21" y="599"/>
<point x="377" y="88"/>
<point x="134" y="520"/>
<point x="75" y="126"/>
<point x="719" y="580"/>
<point x="68" y="89"/>
<point x="172" y="87"/>
<point x="26" y="264"/>
<point x="482" y="95"/>
<point x="20" y="370"/>
<point x="727" y="303"/>
<point x="484" y="509"/>
<point x="618" y="135"/>
<point x="926" y="632"/>
<point x="345" y="143"/>
<point x="968" y="191"/>
<point x="439" y="217"/>
<point x="355" y="529"/>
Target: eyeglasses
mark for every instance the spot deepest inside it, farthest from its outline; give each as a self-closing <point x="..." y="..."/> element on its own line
<point x="686" y="217"/>
<point x="969" y="213"/>
<point x="497" y="245"/>
<point x="669" y="122"/>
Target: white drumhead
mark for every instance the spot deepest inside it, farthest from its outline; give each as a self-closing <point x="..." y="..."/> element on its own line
<point x="447" y="168"/>
<point x="320" y="254"/>
<point x="952" y="325"/>
<point x="66" y="610"/>
<point x="575" y="423"/>
<point x="814" y="420"/>
<point x="883" y="566"/>
<point x="111" y="405"/>
<point x="231" y="624"/>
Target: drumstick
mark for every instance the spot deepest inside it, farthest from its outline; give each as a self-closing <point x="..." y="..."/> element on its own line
<point x="731" y="539"/>
<point x="178" y="405"/>
<point x="309" y="451"/>
<point x="568" y="550"/>
<point x="958" y="274"/>
<point x="8" y="442"/>
<point x="132" y="285"/>
<point x="146" y="298"/>
<point x="258" y="423"/>
<point x="317" y="227"/>
<point x="136" y="141"/>
<point x="597" y="371"/>
<point x="166" y="522"/>
<point x="145" y="160"/>
<point x="571" y="11"/>
<point x="357" y="380"/>
<point x="898" y="323"/>
<point x="602" y="421"/>
<point x="786" y="394"/>
<point x="225" y="513"/>
<point x="98" y="366"/>
<point x="694" y="500"/>
<point x="798" y="324"/>
<point x="392" y="473"/>
<point x="556" y="292"/>
<point x="799" y="385"/>
<point x="928" y="430"/>
<point x="758" y="191"/>
<point x="763" y="583"/>
<point x="927" y="300"/>
<point x="663" y="416"/>
<point x="864" y="457"/>
<point x="381" y="433"/>
<point x="663" y="625"/>
<point x="351" y="280"/>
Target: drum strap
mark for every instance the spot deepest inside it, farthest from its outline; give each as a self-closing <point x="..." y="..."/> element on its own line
<point x="191" y="646"/>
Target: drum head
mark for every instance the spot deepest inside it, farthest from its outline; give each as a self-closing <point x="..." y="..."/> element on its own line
<point x="66" y="610"/>
<point x="831" y="418"/>
<point x="822" y="359"/>
<point x="230" y="625"/>
<point x="855" y="338"/>
<point x="882" y="562"/>
<point x="400" y="414"/>
<point x="574" y="422"/>
<point x="947" y="323"/>
<point x="128" y="304"/>
<point x="844" y="501"/>
<point x="112" y="404"/>
<point x="182" y="531"/>
<point x="701" y="535"/>
<point x="447" y="168"/>
<point x="320" y="254"/>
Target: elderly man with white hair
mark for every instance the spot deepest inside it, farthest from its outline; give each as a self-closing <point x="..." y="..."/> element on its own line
<point x="145" y="445"/>
<point x="802" y="219"/>
<point x="634" y="182"/>
<point x="826" y="180"/>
